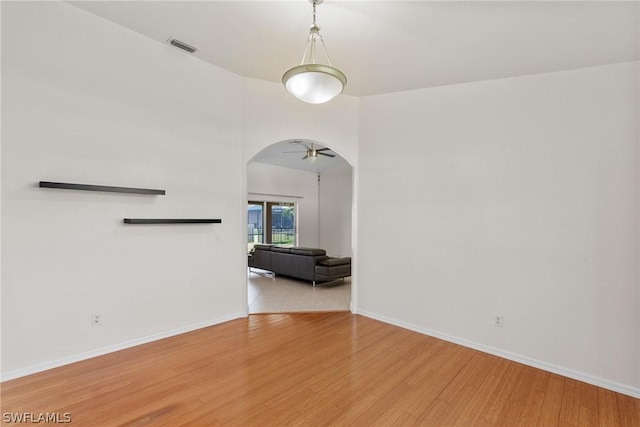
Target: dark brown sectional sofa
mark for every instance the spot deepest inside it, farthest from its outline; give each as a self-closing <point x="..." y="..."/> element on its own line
<point x="311" y="264"/>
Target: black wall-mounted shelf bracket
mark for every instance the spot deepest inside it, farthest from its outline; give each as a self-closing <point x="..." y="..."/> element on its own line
<point x="171" y="221"/>
<point x="105" y="188"/>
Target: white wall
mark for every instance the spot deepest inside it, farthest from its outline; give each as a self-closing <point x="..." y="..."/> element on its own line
<point x="301" y="186"/>
<point x="270" y="115"/>
<point x="516" y="197"/>
<point x="324" y="211"/>
<point x="335" y="200"/>
<point x="87" y="101"/>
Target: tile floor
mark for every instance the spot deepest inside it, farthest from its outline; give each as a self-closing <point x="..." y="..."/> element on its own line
<point x="282" y="295"/>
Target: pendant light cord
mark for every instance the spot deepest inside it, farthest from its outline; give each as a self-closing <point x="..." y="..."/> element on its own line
<point x="314" y="13"/>
<point x="311" y="41"/>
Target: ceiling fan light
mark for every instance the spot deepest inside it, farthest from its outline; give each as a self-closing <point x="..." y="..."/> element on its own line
<point x="314" y="83"/>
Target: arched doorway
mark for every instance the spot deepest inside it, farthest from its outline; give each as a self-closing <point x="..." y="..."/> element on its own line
<point x="299" y="194"/>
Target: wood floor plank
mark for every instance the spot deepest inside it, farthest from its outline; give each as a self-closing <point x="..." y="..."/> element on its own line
<point x="552" y="404"/>
<point x="472" y="373"/>
<point x="629" y="410"/>
<point x="345" y="364"/>
<point x="495" y="407"/>
<point x="570" y="411"/>
<point x="432" y="415"/>
<point x="589" y="408"/>
<point x="608" y="408"/>
<point x="442" y="370"/>
<point x="311" y="369"/>
<point x="471" y="415"/>
<point x="521" y="392"/>
<point x="530" y="412"/>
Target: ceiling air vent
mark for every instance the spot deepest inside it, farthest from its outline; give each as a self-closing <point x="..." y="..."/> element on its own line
<point x="182" y="45"/>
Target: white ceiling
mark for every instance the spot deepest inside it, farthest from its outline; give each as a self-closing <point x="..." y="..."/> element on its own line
<point x="390" y="46"/>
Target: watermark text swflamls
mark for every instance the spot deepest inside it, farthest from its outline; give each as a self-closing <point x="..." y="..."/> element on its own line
<point x="36" y="417"/>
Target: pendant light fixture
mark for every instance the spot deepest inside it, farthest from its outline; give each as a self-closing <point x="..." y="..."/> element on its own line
<point x="311" y="81"/>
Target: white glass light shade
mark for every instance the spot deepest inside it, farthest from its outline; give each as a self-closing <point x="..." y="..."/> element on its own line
<point x="314" y="83"/>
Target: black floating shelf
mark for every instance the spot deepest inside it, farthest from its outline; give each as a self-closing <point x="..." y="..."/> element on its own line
<point x="170" y="221"/>
<point x="87" y="187"/>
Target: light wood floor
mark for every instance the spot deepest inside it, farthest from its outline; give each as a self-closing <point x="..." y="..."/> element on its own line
<point x="312" y="369"/>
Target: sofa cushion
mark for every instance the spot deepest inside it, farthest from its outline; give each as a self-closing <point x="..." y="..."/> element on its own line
<point x="261" y="259"/>
<point x="308" y="251"/>
<point x="336" y="261"/>
<point x="262" y="247"/>
<point x="325" y="272"/>
<point x="280" y="249"/>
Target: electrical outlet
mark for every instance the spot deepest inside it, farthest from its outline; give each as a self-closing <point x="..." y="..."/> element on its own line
<point x="498" y="320"/>
<point x="96" y="319"/>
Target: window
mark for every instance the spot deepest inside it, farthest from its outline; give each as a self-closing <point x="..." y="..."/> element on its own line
<point x="271" y="222"/>
<point x="255" y="229"/>
<point x="283" y="230"/>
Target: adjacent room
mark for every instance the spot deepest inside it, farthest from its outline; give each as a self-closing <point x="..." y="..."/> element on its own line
<point x="299" y="195"/>
<point x="480" y="229"/>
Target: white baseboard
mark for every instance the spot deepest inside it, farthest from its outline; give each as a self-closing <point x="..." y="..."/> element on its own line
<point x="116" y="347"/>
<point x="569" y="373"/>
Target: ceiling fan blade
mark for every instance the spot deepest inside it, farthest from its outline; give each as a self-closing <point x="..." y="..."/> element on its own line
<point x="301" y="143"/>
<point x="306" y="156"/>
<point x="325" y="154"/>
<point x="322" y="149"/>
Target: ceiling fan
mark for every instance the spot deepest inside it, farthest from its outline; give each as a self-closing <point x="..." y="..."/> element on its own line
<point x="311" y="152"/>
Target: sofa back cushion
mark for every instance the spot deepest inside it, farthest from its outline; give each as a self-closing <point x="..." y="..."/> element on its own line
<point x="280" y="249"/>
<point x="300" y="266"/>
<point x="308" y="251"/>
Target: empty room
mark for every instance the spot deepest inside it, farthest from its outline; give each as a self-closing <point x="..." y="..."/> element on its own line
<point x="477" y="248"/>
